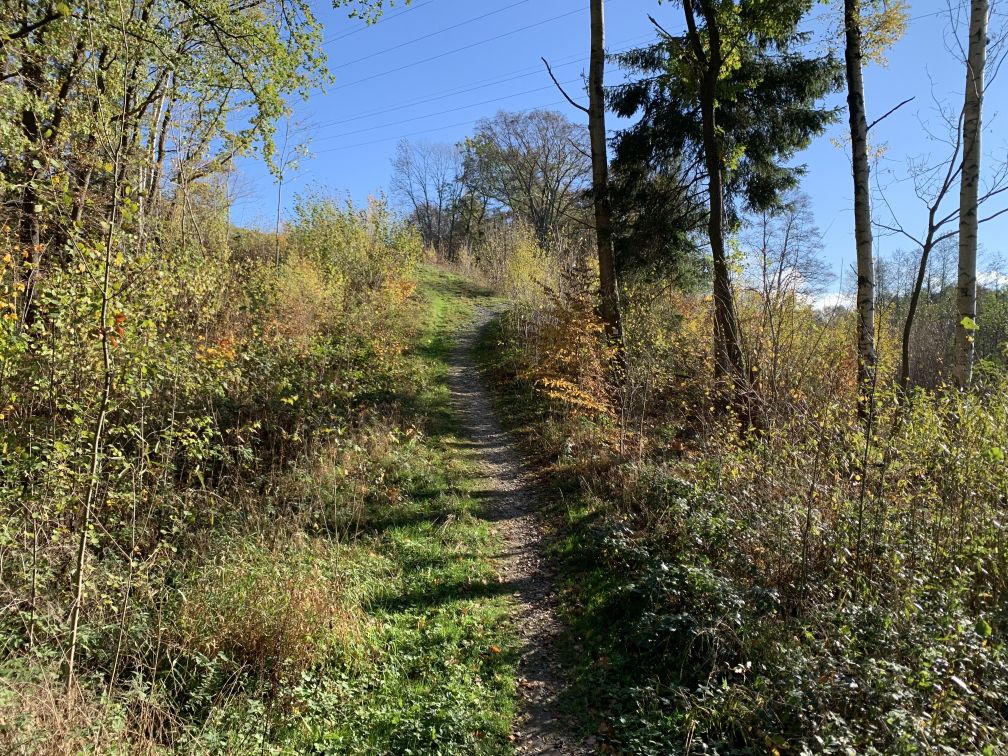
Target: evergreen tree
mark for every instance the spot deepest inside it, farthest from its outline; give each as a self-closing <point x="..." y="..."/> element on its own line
<point x="727" y="102"/>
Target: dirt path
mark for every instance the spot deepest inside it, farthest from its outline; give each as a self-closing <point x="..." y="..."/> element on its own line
<point x="538" y="728"/>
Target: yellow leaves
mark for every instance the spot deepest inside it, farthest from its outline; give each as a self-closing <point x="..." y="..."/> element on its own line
<point x="571" y="358"/>
<point x="883" y="24"/>
<point x="570" y="394"/>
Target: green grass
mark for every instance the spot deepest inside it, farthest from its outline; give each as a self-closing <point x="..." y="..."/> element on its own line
<point x="437" y="673"/>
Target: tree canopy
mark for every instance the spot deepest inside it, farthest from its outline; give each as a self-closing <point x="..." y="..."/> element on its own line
<point x="768" y="96"/>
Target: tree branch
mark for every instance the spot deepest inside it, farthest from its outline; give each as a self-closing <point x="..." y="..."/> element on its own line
<point x="27" y="28"/>
<point x="549" y="70"/>
<point x="882" y="118"/>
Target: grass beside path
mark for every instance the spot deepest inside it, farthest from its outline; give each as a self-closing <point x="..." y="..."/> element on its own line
<point x="436" y="674"/>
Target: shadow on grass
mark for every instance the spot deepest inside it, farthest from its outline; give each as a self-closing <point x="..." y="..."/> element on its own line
<point x="451" y="285"/>
<point x="429" y="597"/>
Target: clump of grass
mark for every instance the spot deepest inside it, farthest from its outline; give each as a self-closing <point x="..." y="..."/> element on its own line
<point x="37" y="718"/>
<point x="269" y="607"/>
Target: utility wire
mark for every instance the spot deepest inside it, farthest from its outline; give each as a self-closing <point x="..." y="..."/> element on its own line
<point x="432" y="34"/>
<point x="459" y="49"/>
<point x="445" y="112"/>
<point x="445" y="94"/>
<point x="522" y="73"/>
<point x="383" y="19"/>
<point x="469" y="122"/>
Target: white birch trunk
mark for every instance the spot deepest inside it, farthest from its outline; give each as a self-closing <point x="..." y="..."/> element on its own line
<point x="969" y="191"/>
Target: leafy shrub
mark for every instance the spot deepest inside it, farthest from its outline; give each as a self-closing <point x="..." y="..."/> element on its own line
<point x="796" y="585"/>
<point x="569" y="358"/>
<point x="513" y="262"/>
<point x="360" y="249"/>
<point x="226" y="373"/>
<point x="303" y="300"/>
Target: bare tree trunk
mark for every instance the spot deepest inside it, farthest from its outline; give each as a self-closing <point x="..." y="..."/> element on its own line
<point x="862" y="201"/>
<point x="94" y="466"/>
<point x="728" y="359"/>
<point x="276" y="229"/>
<point x="600" y="176"/>
<point x="969" y="191"/>
<point x="30" y="210"/>
<point x="908" y="324"/>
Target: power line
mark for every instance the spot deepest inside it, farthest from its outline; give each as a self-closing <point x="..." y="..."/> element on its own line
<point x="445" y="112"/>
<point x="426" y="131"/>
<point x="522" y="73"/>
<point x="445" y="94"/>
<point x="383" y="19"/>
<point x="432" y="34"/>
<point x="459" y="49"/>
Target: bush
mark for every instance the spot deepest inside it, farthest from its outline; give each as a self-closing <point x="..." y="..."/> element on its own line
<point x="227" y="372"/>
<point x="791" y="584"/>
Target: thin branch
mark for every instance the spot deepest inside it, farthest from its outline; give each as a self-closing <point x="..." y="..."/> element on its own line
<point x="27" y="28"/>
<point x="549" y="70"/>
<point x="900" y="231"/>
<point x="659" y="27"/>
<point x="993" y="216"/>
<point x="882" y="118"/>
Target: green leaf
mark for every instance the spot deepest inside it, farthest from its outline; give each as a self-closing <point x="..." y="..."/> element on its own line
<point x="969" y="324"/>
<point x="983" y="628"/>
<point x="63" y="9"/>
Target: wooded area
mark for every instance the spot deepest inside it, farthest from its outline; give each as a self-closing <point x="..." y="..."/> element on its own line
<point x="244" y="500"/>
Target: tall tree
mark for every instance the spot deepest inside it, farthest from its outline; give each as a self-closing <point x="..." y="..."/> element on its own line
<point x="600" y="175"/>
<point x="601" y="198"/>
<point x="658" y="215"/>
<point x="869" y="26"/>
<point x="853" y="57"/>
<point x="969" y="192"/>
<point x="535" y="165"/>
<point x="202" y="80"/>
<point x="428" y="178"/>
<point x="934" y="184"/>
<point x="730" y="101"/>
<point x="709" y="64"/>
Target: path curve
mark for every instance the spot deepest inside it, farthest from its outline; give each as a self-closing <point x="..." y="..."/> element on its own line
<point x="505" y="486"/>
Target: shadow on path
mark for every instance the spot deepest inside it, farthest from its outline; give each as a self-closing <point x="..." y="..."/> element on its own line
<point x="508" y="501"/>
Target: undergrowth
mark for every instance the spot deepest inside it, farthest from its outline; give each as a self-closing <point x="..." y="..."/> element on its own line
<point x="281" y="556"/>
<point x="773" y="583"/>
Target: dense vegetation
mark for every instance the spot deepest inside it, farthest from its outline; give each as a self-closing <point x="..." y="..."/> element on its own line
<point x="232" y="518"/>
<point x="803" y="585"/>
<point x="235" y="513"/>
<point x="272" y="473"/>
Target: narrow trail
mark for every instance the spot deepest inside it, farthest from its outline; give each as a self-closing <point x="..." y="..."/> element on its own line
<point x="510" y="505"/>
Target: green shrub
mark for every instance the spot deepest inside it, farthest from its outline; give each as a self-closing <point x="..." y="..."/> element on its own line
<point x="796" y="587"/>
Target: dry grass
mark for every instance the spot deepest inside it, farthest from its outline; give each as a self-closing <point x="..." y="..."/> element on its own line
<point x="37" y="718"/>
<point x="270" y="608"/>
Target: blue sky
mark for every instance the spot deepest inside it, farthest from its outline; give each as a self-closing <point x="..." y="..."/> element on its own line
<point x="430" y="70"/>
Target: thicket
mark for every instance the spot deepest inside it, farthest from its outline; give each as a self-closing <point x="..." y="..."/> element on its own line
<point x="783" y="577"/>
<point x="184" y="473"/>
<point x="198" y="422"/>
